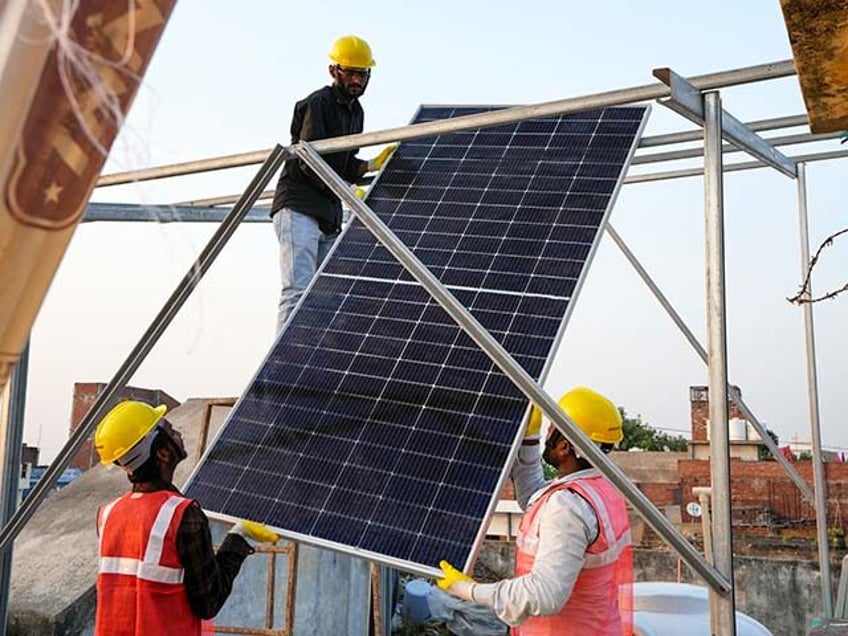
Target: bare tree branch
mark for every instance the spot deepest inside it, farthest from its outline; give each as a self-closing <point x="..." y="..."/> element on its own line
<point x="804" y="295"/>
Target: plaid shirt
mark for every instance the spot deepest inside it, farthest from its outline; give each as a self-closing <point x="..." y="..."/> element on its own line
<point x="208" y="576"/>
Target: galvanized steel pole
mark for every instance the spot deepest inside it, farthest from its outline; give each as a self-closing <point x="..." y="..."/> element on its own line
<point x="696" y="135"/>
<point x="717" y="362"/>
<point x="819" y="480"/>
<point x="734" y="167"/>
<point x="647" y="92"/>
<point x="13" y="440"/>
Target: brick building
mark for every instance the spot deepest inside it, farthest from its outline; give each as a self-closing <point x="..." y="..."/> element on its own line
<point x="85" y="394"/>
<point x="764" y="500"/>
<point x="744" y="441"/>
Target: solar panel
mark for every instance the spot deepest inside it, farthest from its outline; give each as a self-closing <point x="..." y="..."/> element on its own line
<point x="376" y="426"/>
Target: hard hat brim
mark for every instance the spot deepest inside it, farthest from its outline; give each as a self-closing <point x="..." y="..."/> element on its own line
<point x="158" y="412"/>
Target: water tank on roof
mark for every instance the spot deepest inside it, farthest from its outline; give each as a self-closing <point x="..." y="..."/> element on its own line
<point x="671" y="609"/>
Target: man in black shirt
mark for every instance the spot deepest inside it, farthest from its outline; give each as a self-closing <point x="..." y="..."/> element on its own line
<point x="307" y="216"/>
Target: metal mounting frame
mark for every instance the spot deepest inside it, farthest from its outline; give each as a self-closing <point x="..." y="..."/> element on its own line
<point x="687" y="101"/>
<point x="716" y="80"/>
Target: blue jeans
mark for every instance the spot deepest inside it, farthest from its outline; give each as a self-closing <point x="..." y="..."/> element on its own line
<point x="303" y="247"/>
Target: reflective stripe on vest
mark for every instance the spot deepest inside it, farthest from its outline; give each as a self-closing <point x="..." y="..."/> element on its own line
<point x="616" y="544"/>
<point x="141" y="570"/>
<point x="528" y="542"/>
<point x="104" y="514"/>
<point x="148" y="568"/>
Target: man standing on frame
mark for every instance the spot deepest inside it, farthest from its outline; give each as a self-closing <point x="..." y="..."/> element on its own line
<point x="573" y="557"/>
<point x="306" y="215"/>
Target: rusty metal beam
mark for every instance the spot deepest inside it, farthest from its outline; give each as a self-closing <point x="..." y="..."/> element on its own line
<point x="818" y="31"/>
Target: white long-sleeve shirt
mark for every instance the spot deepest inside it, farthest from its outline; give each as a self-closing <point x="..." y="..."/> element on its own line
<point x="567" y="526"/>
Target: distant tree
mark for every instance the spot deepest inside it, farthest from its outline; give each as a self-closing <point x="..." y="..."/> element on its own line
<point x="764" y="453"/>
<point x="639" y="434"/>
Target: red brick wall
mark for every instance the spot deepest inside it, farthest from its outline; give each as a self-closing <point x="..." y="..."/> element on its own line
<point x="700" y="411"/>
<point x="764" y="490"/>
<point x="661" y="494"/>
<point x="85" y="394"/>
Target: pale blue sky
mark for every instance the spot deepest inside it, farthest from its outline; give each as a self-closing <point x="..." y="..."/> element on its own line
<point x="224" y="80"/>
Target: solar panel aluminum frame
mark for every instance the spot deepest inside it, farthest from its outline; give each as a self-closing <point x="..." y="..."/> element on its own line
<point x="512" y="369"/>
<point x="489" y="350"/>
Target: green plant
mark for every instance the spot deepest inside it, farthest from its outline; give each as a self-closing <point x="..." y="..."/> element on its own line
<point x="639" y="434"/>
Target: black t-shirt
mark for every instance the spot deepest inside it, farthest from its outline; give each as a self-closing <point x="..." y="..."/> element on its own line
<point x="325" y="113"/>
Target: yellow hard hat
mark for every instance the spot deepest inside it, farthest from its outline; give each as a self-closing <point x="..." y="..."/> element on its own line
<point x="534" y="424"/>
<point x="123" y="427"/>
<point x="352" y="52"/>
<point x="594" y="414"/>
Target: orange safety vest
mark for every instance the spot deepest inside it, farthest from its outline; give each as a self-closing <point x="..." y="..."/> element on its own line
<point x="601" y="600"/>
<point x="140" y="590"/>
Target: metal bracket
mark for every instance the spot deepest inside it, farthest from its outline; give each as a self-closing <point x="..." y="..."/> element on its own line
<point x="687" y="101"/>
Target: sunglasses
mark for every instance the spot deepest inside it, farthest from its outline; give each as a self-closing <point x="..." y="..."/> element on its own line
<point x="350" y="73"/>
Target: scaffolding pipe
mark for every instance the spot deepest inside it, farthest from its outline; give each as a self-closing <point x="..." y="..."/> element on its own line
<point x="717" y="366"/>
<point x="819" y="480"/>
<point x="188" y="167"/>
<point x="636" y="178"/>
<point x="512" y="369"/>
<point x="703" y="494"/>
<point x="694" y="153"/>
<point x="647" y="92"/>
<point x="255" y="157"/>
<point x="666" y="139"/>
<point x="13" y="438"/>
<point x="643" y="93"/>
<point x="222" y="200"/>
<point x="166" y="213"/>
<point x="699" y="349"/>
<point x="143" y="347"/>
<point x="733" y="167"/>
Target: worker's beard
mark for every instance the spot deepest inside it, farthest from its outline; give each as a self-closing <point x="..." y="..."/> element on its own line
<point x="352" y="90"/>
<point x="547" y="454"/>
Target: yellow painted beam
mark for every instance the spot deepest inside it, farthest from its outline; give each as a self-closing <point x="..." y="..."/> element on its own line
<point x="818" y="31"/>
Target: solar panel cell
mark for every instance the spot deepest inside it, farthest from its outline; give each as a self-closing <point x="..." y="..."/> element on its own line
<point x="376" y="424"/>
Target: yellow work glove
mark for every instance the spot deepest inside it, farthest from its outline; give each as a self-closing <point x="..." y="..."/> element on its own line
<point x="451" y="576"/>
<point x="359" y="193"/>
<point x="534" y="426"/>
<point x="377" y="162"/>
<point x="256" y="531"/>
